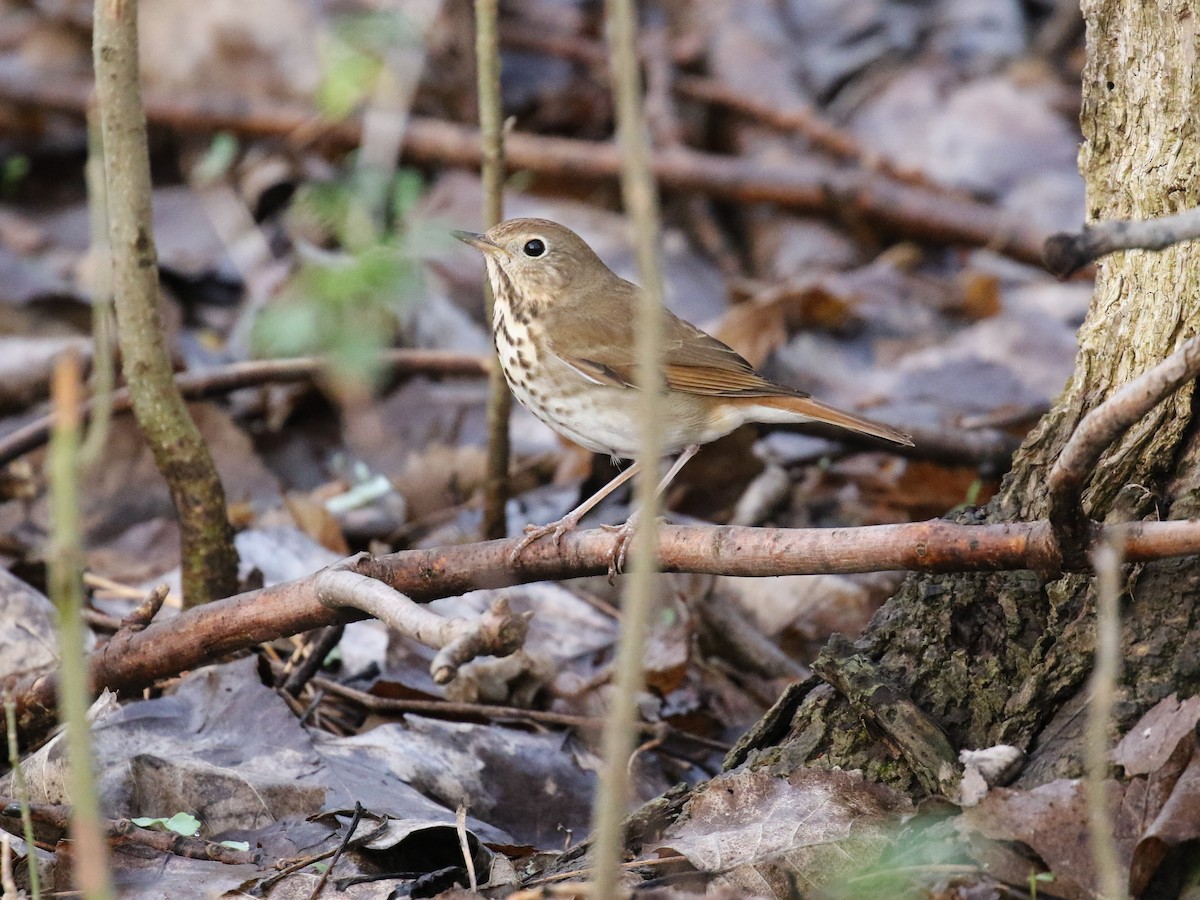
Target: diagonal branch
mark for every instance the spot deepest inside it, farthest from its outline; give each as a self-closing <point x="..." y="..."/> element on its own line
<point x="1096" y="433"/>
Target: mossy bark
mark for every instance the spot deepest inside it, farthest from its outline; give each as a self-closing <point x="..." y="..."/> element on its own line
<point x="209" y="560"/>
<point x="1005" y="657"/>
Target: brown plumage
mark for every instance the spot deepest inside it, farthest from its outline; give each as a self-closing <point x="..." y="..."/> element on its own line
<point x="563" y="324"/>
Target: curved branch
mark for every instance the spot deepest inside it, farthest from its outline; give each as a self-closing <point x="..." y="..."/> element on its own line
<point x="134" y="659"/>
<point x="1096" y="433"/>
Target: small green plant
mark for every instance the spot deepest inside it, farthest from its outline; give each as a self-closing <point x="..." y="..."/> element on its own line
<point x="13" y="170"/>
<point x="359" y="252"/>
<point x="1036" y="878"/>
<point x="344" y="299"/>
<point x="354" y="55"/>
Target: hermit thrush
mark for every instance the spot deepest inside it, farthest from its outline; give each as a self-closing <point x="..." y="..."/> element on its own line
<point x="563" y="324"/>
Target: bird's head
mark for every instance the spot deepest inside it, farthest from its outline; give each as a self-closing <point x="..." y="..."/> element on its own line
<point x="536" y="258"/>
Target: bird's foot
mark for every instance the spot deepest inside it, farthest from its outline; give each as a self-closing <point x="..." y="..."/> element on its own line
<point x="558" y="529"/>
<point x="620" y="550"/>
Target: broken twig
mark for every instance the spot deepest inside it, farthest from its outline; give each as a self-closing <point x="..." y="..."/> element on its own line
<point x="496" y="632"/>
<point x="1067" y="253"/>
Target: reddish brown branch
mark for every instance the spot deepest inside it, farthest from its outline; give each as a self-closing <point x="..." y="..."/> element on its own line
<point x="133" y="660"/>
<point x="196" y="385"/>
<point x="824" y="135"/>
<point x="1096" y="433"/>
<point x="809" y="185"/>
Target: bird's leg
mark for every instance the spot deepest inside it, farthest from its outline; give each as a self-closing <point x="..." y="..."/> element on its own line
<point x="625" y="532"/>
<point x="570" y="521"/>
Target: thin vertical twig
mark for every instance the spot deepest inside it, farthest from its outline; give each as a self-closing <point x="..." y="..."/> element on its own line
<point x="21" y="792"/>
<point x="208" y="557"/>
<point x="90" y="856"/>
<point x="103" y="323"/>
<point x="640" y="195"/>
<point x="491" y="129"/>
<point x="7" y="884"/>
<point x="1106" y="560"/>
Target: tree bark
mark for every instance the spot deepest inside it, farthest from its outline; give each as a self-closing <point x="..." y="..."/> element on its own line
<point x="1003" y="658"/>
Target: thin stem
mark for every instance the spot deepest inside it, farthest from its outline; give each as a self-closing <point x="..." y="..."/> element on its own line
<point x="103" y="321"/>
<point x="90" y="857"/>
<point x="1106" y="559"/>
<point x="491" y="130"/>
<point x="640" y="194"/>
<point x="21" y="792"/>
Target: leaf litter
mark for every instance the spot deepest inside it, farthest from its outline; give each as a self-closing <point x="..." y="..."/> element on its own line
<point x="938" y="337"/>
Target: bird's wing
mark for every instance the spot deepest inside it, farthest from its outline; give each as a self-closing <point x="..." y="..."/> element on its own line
<point x="602" y="348"/>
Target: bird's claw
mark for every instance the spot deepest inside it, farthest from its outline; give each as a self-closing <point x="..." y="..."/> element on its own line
<point x="624" y="533"/>
<point x="558" y="530"/>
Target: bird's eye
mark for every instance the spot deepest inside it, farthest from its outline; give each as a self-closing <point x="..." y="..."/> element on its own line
<point x="535" y="247"/>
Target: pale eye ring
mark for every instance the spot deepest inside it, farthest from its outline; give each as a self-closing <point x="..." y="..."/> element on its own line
<point x="534" y="247"/>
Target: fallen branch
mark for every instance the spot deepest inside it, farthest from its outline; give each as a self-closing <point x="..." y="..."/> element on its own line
<point x="810" y="185"/>
<point x="131" y="660"/>
<point x="1066" y="253"/>
<point x="198" y="384"/>
<point x="1072" y="528"/>
<point x="57" y="818"/>
<point x="497" y="632"/>
<point x="491" y="712"/>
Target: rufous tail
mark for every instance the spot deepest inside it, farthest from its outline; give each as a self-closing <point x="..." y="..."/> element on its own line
<point x="800" y="409"/>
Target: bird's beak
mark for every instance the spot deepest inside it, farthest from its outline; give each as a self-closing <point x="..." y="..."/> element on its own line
<point x="478" y="241"/>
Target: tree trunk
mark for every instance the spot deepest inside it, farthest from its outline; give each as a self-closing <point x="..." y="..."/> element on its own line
<point x="1004" y="658"/>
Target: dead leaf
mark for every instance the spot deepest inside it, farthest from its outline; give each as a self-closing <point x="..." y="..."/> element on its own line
<point x="760" y="830"/>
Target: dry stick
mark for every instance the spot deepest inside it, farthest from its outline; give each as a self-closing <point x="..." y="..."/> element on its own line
<point x="1106" y="559"/>
<point x="89" y="862"/>
<point x="124" y="831"/>
<point x="131" y="661"/>
<point x="200" y="383"/>
<point x="7" y="883"/>
<point x="460" y="825"/>
<point x="209" y="560"/>
<point x="639" y="192"/>
<point x="1065" y="253"/>
<point x="450" y="708"/>
<point x="807" y="185"/>
<point x="1096" y="433"/>
<point x="496" y="632"/>
<point x="491" y="133"/>
<point x="292" y="680"/>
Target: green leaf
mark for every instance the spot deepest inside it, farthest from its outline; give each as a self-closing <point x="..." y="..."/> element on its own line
<point x="180" y="823"/>
<point x="221" y="155"/>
